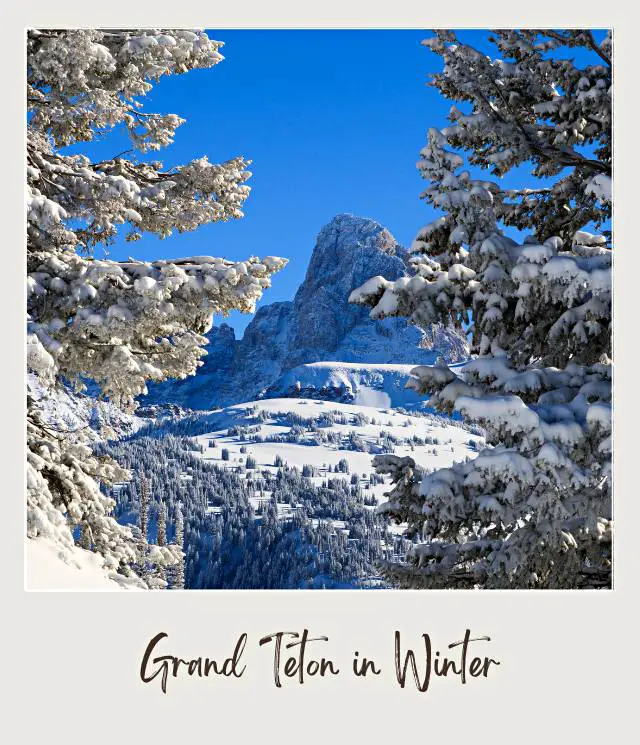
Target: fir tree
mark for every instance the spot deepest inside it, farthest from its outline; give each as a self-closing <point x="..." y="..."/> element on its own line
<point x="161" y="538"/>
<point x="178" y="581"/>
<point x="117" y="324"/>
<point x="143" y="515"/>
<point x="534" y="508"/>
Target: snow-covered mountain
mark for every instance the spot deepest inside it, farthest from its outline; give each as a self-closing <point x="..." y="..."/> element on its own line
<point x="366" y="384"/>
<point x="319" y="325"/>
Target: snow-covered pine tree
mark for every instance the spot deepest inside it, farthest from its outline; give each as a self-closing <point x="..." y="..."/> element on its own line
<point x="141" y="566"/>
<point x="117" y="324"/>
<point x="160" y="574"/>
<point x="161" y="538"/>
<point x="178" y="569"/>
<point x="533" y="509"/>
<point x="85" y="538"/>
<point x="143" y="515"/>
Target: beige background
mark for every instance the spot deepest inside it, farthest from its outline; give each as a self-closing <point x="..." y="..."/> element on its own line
<point x="568" y="671"/>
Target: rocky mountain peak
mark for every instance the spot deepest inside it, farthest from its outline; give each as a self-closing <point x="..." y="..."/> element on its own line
<point x="350" y="232"/>
<point x="348" y="251"/>
<point x="318" y="325"/>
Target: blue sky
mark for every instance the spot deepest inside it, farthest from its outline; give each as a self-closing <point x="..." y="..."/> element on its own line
<point x="333" y="122"/>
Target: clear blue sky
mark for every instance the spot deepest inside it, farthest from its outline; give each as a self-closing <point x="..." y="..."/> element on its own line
<point x="333" y="122"/>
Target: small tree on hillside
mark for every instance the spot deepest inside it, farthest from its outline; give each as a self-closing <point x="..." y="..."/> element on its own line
<point x="178" y="569"/>
<point x="534" y="508"/>
<point x="143" y="515"/>
<point x="161" y="539"/>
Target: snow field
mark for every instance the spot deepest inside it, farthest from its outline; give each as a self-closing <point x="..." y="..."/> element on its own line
<point x="453" y="441"/>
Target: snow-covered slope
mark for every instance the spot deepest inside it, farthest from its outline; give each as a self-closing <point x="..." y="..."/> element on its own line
<point x="47" y="569"/>
<point x="318" y="325"/>
<point x="322" y="433"/>
<point x="381" y="385"/>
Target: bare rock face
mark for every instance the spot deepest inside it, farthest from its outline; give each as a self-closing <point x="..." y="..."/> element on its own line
<point x="318" y="325"/>
<point x="260" y="354"/>
<point x="348" y="251"/>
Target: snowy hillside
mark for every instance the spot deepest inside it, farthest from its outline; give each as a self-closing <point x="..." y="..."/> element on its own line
<point x="305" y="432"/>
<point x="318" y="325"/>
<point x="281" y="493"/>
<point x="47" y="569"/>
<point x="382" y="385"/>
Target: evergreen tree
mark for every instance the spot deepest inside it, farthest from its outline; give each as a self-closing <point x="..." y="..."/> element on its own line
<point x="85" y="537"/>
<point x="533" y="509"/>
<point x="143" y="515"/>
<point x="160" y="573"/>
<point x="142" y="565"/>
<point x="178" y="580"/>
<point x="161" y="538"/>
<point x="117" y="324"/>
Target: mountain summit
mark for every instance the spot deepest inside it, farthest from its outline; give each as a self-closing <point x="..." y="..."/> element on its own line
<point x="318" y="325"/>
<point x="348" y="251"/>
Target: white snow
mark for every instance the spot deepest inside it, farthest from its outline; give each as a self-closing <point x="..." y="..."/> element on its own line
<point x="367" y="396"/>
<point x="370" y="383"/>
<point x="453" y="442"/>
<point x="601" y="187"/>
<point x="48" y="569"/>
